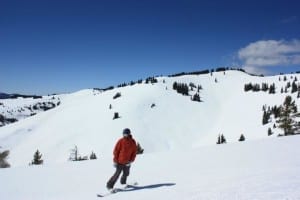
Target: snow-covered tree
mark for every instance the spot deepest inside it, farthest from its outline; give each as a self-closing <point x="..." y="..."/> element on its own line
<point x="74" y="155"/>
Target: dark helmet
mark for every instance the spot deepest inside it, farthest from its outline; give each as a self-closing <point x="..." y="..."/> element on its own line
<point x="126" y="131"/>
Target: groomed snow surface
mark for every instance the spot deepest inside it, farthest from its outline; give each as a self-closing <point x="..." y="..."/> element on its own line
<point x="266" y="169"/>
<point x="181" y="159"/>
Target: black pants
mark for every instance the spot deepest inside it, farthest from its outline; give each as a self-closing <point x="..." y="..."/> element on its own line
<point x="119" y="168"/>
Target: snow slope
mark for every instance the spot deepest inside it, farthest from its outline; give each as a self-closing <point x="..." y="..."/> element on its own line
<point x="84" y="118"/>
<point x="181" y="159"/>
<point x="266" y="169"/>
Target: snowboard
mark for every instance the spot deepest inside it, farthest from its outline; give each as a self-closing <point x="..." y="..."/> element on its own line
<point x="116" y="190"/>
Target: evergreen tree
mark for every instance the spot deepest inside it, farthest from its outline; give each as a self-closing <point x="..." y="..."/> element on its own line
<point x="37" y="158"/>
<point x="294" y="87"/>
<point x="116" y="115"/>
<point x="266" y="117"/>
<point x="175" y="85"/>
<point x="256" y="88"/>
<point x="242" y="138"/>
<point x="93" y="156"/>
<point x="196" y="97"/>
<point x="2" y="118"/>
<point x="248" y="87"/>
<point x="270" y="132"/>
<point x="264" y="87"/>
<point x="223" y="140"/>
<point x="3" y="161"/>
<point x="272" y="89"/>
<point x="219" y="140"/>
<point x="117" y="95"/>
<point x="287" y="116"/>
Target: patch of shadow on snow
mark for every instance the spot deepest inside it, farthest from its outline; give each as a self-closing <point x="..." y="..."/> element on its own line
<point x="134" y="187"/>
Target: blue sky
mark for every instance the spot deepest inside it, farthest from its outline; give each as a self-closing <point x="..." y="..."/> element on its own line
<point x="54" y="46"/>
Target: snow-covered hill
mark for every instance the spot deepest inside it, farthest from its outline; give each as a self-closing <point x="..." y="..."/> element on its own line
<point x="266" y="169"/>
<point x="18" y="108"/>
<point x="181" y="159"/>
<point x="175" y="122"/>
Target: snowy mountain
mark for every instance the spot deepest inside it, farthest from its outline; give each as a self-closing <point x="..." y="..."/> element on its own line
<point x="181" y="159"/>
<point x="15" y="107"/>
<point x="175" y="122"/>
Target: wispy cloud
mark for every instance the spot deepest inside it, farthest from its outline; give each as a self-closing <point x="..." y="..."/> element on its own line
<point x="257" y="56"/>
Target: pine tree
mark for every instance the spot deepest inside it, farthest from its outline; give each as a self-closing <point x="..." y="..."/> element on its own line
<point x="196" y="97"/>
<point x="93" y="156"/>
<point x="37" y="158"/>
<point x="272" y="89"/>
<point x="219" y="140"/>
<point x="270" y="132"/>
<point x="266" y="117"/>
<point x="287" y="116"/>
<point x="223" y="140"/>
<point x="117" y="95"/>
<point x="294" y="87"/>
<point x="116" y="115"/>
<point x="3" y="161"/>
<point x="175" y="85"/>
<point x="242" y="138"/>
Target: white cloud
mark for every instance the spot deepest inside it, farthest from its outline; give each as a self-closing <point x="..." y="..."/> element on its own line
<point x="257" y="56"/>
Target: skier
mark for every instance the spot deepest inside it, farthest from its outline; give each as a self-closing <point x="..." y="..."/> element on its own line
<point x="124" y="154"/>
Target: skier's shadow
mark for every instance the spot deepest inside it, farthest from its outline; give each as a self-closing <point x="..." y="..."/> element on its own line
<point x="136" y="187"/>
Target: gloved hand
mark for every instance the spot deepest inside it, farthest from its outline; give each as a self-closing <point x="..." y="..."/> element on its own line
<point x="128" y="164"/>
<point x="115" y="164"/>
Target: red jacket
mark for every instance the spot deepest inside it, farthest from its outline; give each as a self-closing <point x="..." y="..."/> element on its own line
<point x="125" y="150"/>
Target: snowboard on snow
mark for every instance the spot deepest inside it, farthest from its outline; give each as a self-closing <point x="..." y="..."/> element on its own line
<point x="116" y="190"/>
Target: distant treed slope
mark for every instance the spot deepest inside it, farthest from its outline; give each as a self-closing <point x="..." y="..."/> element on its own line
<point x="13" y="109"/>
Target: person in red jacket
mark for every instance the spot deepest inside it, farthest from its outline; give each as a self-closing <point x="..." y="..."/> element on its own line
<point x="124" y="154"/>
